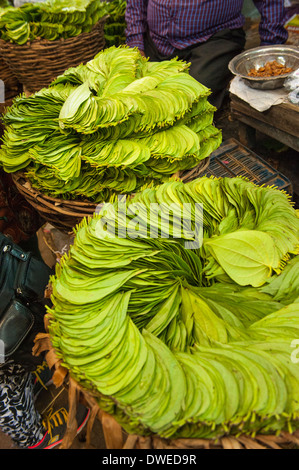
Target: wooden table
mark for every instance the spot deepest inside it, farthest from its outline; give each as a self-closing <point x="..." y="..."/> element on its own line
<point x="281" y="122"/>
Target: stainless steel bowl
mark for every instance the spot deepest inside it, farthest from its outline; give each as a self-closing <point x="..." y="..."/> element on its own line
<point x="257" y="57"/>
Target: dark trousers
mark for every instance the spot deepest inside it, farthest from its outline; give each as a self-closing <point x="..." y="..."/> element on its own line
<point x="209" y="60"/>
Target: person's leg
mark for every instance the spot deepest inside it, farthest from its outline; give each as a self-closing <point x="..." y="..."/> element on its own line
<point x="19" y="418"/>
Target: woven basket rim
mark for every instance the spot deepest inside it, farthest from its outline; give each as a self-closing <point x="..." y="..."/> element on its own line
<point x="47" y="42"/>
<point x="187" y="175"/>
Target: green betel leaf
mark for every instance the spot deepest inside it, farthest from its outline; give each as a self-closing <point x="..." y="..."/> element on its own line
<point x="247" y="256"/>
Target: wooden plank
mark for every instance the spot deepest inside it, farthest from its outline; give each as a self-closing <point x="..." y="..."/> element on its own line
<point x="270" y="130"/>
<point x="284" y="116"/>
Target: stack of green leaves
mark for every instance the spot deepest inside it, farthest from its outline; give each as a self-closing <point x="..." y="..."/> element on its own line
<point x="185" y="342"/>
<point x="115" y="125"/>
<point x="5" y="4"/>
<point x="51" y="20"/>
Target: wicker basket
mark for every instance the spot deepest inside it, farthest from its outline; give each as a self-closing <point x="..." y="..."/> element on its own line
<point x="65" y="214"/>
<point x="38" y="63"/>
<point x="61" y="213"/>
<point x="9" y="96"/>
<point x="3" y="107"/>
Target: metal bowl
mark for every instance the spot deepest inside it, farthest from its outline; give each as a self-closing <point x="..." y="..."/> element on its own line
<point x="257" y="57"/>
